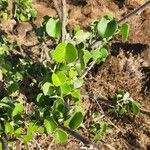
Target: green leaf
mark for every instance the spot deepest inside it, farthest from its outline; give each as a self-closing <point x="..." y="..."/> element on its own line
<point x="106" y="27"/>
<point x="125" y="28"/>
<point x="65" y="89"/>
<point x="53" y="28"/>
<point x="86" y="56"/>
<point x="103" y="53"/>
<point x="50" y="125"/>
<point x="60" y="52"/>
<point x="59" y="105"/>
<point x="55" y="80"/>
<point x="62" y="77"/>
<point x="76" y="93"/>
<point x="9" y="128"/>
<point x="122" y="111"/>
<point x="60" y="136"/>
<point x="97" y="137"/>
<point x="71" y="53"/>
<point x="135" y="108"/>
<point x="27" y="138"/>
<point x="72" y="73"/>
<point x="18" y="109"/>
<point x="96" y="54"/>
<point x="23" y="17"/>
<point x="18" y="132"/>
<point x="46" y="88"/>
<point x="78" y="83"/>
<point x="111" y="28"/>
<point x="81" y="36"/>
<point x="13" y="87"/>
<point x="1" y="146"/>
<point x="76" y="120"/>
<point x="100" y="54"/>
<point x="41" y="129"/>
<point x="102" y="26"/>
<point x="5" y="16"/>
<point x="32" y="127"/>
<point x="65" y="52"/>
<point x="104" y="127"/>
<point x="40" y="97"/>
<point x="33" y="13"/>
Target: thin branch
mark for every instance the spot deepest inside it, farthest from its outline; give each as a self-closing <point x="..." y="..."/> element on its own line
<point x="79" y="137"/>
<point x="144" y="111"/>
<point x="45" y="49"/>
<point x="62" y="13"/>
<point x="4" y="141"/>
<point x="58" y="10"/>
<point x="64" y="20"/>
<point x="135" y="12"/>
<point x="88" y="69"/>
<point x="95" y="99"/>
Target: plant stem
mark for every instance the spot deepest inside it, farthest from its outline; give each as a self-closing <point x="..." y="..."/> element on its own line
<point x="80" y="137"/>
<point x="64" y="20"/>
<point x="134" y="12"/>
<point x="56" y="5"/>
<point x="4" y="142"/>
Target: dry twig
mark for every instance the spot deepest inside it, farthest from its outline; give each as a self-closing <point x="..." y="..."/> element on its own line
<point x="135" y="12"/>
<point x="58" y="10"/>
<point x="80" y="138"/>
<point x="64" y="20"/>
<point x="62" y="16"/>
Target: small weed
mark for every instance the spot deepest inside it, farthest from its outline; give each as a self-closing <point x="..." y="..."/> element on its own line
<point x="124" y="104"/>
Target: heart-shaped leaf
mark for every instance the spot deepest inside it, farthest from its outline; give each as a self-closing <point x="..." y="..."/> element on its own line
<point x="53" y="28"/>
<point x="106" y="27"/>
<point x="65" y="52"/>
<point x="111" y="28"/>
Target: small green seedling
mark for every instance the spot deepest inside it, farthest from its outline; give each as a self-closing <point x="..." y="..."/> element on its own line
<point x="23" y="11"/>
<point x="98" y="127"/>
<point x="124" y="104"/>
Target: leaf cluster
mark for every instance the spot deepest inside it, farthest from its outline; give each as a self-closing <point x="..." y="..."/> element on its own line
<point x="57" y="82"/>
<point x="124" y="104"/>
